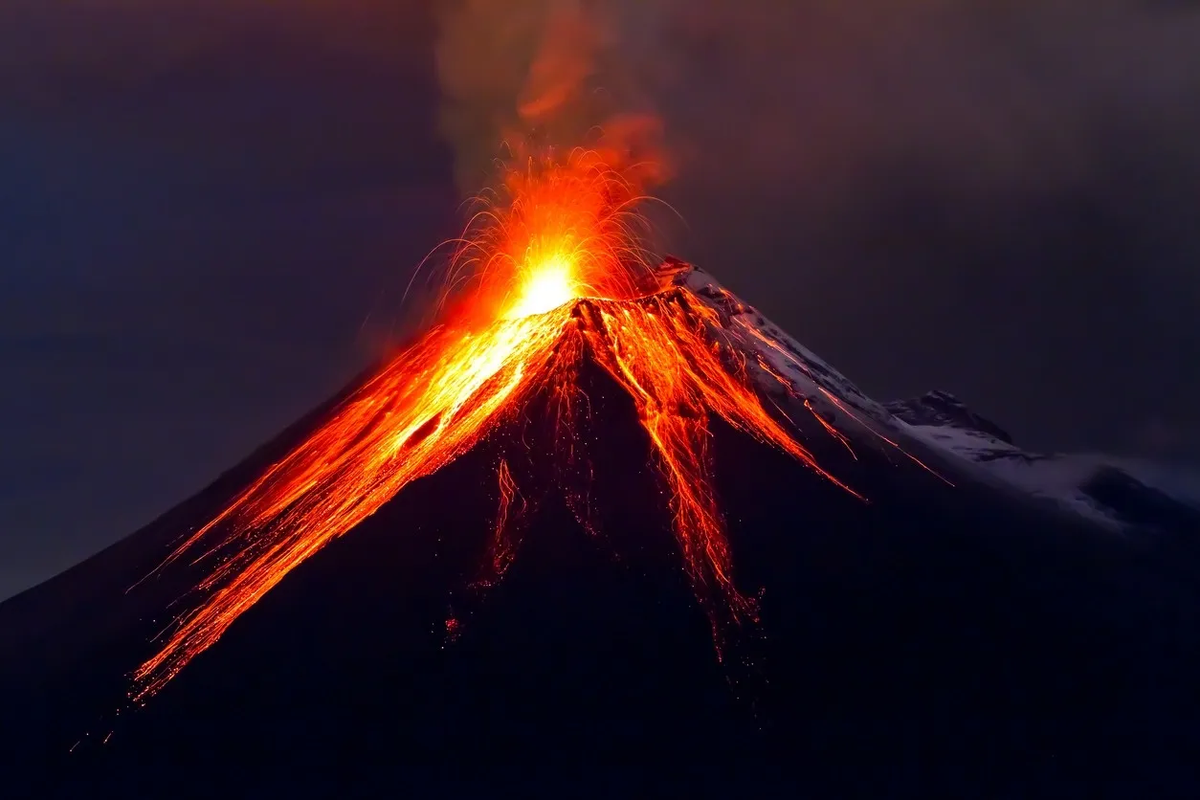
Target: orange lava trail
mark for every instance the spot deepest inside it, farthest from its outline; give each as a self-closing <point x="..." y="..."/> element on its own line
<point x="783" y="351"/>
<point x="510" y="512"/>
<point x="829" y="395"/>
<point x="432" y="404"/>
<point x="555" y="272"/>
<point x="791" y="390"/>
<point x="661" y="351"/>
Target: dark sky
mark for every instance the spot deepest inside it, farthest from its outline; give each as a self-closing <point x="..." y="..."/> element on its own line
<point x="209" y="209"/>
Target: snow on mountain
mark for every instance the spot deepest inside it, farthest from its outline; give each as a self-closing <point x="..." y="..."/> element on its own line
<point x="781" y="358"/>
<point x="1112" y="491"/>
<point x="1108" y="489"/>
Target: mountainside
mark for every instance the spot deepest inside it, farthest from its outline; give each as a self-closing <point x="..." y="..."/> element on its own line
<point x="940" y="630"/>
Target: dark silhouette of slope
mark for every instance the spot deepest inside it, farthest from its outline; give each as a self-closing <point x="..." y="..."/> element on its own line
<point x="936" y="637"/>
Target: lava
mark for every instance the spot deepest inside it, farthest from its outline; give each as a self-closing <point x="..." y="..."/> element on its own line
<point x="550" y="273"/>
<point x="510" y="513"/>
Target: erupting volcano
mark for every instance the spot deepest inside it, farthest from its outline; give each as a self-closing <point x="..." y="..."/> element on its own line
<point x="605" y="508"/>
<point x="555" y="274"/>
<point x="601" y="509"/>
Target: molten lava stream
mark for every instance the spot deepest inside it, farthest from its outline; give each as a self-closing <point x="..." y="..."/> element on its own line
<point x="430" y="405"/>
<point x="555" y="280"/>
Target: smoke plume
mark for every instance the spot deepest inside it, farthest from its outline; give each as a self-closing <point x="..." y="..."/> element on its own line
<point x="549" y="72"/>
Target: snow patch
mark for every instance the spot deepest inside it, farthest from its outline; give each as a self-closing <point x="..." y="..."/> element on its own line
<point x="1113" y="491"/>
<point x="1055" y="478"/>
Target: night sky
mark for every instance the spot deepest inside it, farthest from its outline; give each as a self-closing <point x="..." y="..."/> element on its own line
<point x="209" y="210"/>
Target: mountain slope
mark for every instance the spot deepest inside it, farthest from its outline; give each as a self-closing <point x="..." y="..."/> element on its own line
<point x="1112" y="491"/>
<point x="1107" y="490"/>
<point x="942" y="630"/>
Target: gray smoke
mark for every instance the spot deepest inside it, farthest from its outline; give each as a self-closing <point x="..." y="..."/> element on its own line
<point x="554" y="70"/>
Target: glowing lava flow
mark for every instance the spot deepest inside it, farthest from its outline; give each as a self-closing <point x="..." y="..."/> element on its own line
<point x="553" y="276"/>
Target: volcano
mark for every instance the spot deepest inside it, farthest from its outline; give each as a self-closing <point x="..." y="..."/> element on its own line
<point x="845" y="597"/>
